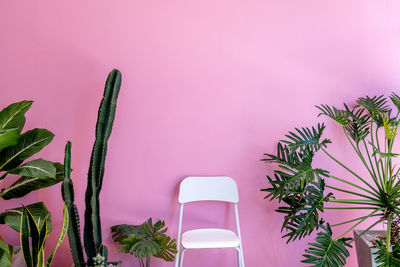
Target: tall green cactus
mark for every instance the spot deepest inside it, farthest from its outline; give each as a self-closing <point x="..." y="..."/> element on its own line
<point x="92" y="228"/>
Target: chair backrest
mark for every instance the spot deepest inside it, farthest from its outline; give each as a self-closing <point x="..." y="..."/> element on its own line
<point x="220" y="188"/>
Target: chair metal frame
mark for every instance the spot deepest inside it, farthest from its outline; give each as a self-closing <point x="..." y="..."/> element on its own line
<point x="219" y="188"/>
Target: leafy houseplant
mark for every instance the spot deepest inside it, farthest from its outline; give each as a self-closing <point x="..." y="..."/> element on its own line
<point x="15" y="148"/>
<point x="92" y="229"/>
<point x="144" y="241"/>
<point x="371" y="128"/>
<point x="33" y="238"/>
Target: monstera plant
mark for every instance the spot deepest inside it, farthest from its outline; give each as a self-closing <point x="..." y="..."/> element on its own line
<point x="144" y="241"/>
<point x="15" y="150"/>
<point x="371" y="128"/>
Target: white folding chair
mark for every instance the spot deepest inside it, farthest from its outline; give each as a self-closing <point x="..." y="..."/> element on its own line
<point x="208" y="189"/>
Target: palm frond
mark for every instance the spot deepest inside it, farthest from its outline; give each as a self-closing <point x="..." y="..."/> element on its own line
<point x="327" y="252"/>
<point x="390" y="129"/>
<point x="376" y="106"/>
<point x="395" y="100"/>
<point x="306" y="138"/>
<point x="386" y="258"/>
<point x="295" y="174"/>
<point x="338" y="115"/>
<point x="359" y="126"/>
<point x="303" y="219"/>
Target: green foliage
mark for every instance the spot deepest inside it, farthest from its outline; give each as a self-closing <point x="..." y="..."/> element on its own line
<point x="16" y="148"/>
<point x="371" y="130"/>
<point x="145" y="240"/>
<point x="33" y="238"/>
<point x="6" y="252"/>
<point x="306" y="139"/>
<point x="327" y="252"/>
<point x="385" y="258"/>
<point x="296" y="172"/>
<point x="12" y="217"/>
<point x="302" y="216"/>
<point x="92" y="226"/>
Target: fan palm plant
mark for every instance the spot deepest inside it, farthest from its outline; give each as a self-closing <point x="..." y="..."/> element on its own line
<point x="371" y="127"/>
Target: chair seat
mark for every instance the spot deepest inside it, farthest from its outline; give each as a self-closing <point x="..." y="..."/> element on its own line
<point x="210" y="238"/>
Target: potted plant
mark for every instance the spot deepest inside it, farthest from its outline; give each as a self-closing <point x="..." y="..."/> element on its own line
<point x="96" y="252"/>
<point x="145" y="241"/>
<point x="33" y="237"/>
<point x="16" y="148"/>
<point x="371" y="128"/>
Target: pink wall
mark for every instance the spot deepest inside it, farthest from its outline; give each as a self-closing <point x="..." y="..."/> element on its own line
<point x="208" y="87"/>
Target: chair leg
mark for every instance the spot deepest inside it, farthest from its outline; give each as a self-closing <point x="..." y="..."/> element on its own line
<point x="239" y="260"/>
<point x="241" y="257"/>
<point x="177" y="258"/>
<point x="181" y="257"/>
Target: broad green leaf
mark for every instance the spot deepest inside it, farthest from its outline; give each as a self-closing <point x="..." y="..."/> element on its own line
<point x="38" y="168"/>
<point x="5" y="255"/>
<point x="29" y="144"/>
<point x="25" y="185"/>
<point x="8" y="138"/>
<point x="64" y="231"/>
<point x="12" y="217"/>
<point x="13" y="115"/>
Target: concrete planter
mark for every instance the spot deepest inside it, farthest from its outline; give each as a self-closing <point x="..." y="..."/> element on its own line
<point x="364" y="247"/>
<point x="110" y="264"/>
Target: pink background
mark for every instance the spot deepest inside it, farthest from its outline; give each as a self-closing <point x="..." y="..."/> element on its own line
<point x="208" y="87"/>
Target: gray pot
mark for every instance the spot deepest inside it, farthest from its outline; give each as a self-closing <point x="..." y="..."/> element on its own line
<point x="111" y="263"/>
<point x="365" y="252"/>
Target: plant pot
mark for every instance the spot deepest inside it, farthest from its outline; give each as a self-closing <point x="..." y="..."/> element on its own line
<point x="365" y="252"/>
<point x="115" y="264"/>
<point x="110" y="264"/>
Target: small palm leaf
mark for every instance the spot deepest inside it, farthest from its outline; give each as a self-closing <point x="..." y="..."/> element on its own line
<point x="359" y="126"/>
<point x="376" y="106"/>
<point x="386" y="258"/>
<point x="295" y="174"/>
<point x="338" y="115"/>
<point x="304" y="219"/>
<point x="306" y="139"/>
<point x="327" y="252"/>
<point x="390" y="129"/>
<point x="396" y="100"/>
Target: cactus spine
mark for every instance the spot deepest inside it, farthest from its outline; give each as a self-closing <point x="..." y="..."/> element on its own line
<point x="92" y="227"/>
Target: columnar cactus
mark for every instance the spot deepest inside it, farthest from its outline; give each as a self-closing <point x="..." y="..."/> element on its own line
<point x="92" y="228"/>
